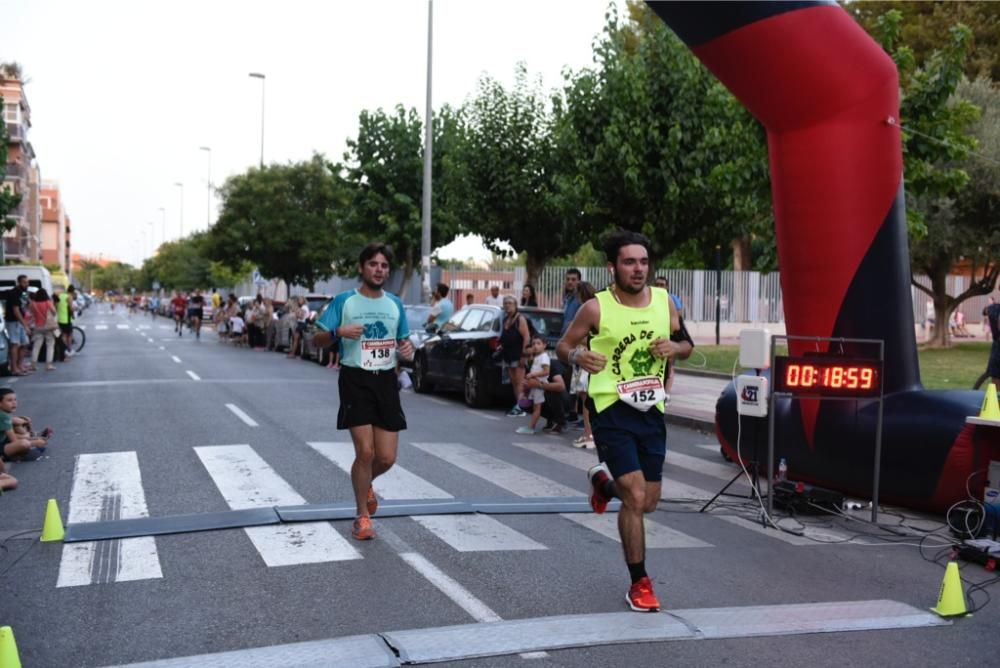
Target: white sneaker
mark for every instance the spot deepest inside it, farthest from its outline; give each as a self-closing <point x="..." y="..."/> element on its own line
<point x="584" y="442"/>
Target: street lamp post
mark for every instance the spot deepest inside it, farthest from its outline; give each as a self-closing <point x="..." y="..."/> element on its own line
<point x="425" y="241"/>
<point x="208" y="188"/>
<point x="258" y="75"/>
<point x="181" y="186"/>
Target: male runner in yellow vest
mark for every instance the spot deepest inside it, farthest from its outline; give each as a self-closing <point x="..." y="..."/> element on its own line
<point x="635" y="331"/>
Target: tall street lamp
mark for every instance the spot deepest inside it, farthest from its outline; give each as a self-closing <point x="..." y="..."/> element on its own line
<point x="425" y="241"/>
<point x="181" y="186"/>
<point x="208" y="188"/>
<point x="258" y="75"/>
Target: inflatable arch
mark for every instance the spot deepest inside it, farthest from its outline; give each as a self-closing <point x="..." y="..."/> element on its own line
<point x="828" y="97"/>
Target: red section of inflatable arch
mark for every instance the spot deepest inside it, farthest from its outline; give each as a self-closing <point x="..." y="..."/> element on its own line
<point x="836" y="159"/>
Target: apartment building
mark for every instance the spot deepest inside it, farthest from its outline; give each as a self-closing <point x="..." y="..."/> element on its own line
<point x="55" y="237"/>
<point x="21" y="173"/>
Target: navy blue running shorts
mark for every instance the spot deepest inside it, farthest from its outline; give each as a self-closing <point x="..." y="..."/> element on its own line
<point x="630" y="440"/>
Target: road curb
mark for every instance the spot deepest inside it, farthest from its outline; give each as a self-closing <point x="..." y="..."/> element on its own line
<point x="691" y="422"/>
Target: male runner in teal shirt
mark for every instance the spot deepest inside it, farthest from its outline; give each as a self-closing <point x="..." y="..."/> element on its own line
<point x="371" y="326"/>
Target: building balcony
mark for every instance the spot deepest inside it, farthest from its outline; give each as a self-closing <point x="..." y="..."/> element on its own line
<point x="16" y="170"/>
<point x="14" y="247"/>
<point x="17" y="132"/>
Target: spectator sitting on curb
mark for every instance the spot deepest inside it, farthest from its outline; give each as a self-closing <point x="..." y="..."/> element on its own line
<point x="15" y="447"/>
<point x="554" y="408"/>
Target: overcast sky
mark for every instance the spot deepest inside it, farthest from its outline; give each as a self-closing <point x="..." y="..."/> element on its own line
<point x="123" y="94"/>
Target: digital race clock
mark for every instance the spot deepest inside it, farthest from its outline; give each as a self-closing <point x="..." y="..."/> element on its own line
<point x="827" y="376"/>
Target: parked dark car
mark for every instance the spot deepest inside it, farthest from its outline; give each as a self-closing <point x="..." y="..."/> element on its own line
<point x="462" y="355"/>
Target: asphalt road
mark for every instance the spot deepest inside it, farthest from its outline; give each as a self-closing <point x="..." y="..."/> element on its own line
<point x="145" y="424"/>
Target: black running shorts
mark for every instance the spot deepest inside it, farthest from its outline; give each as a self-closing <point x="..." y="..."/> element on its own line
<point x="628" y="439"/>
<point x="369" y="397"/>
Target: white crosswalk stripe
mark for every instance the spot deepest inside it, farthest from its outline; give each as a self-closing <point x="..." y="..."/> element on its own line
<point x="247" y="481"/>
<point x="100" y="326"/>
<point x="465" y="533"/>
<point x="584" y="459"/>
<point x="122" y="326"/>
<point x="107" y="486"/>
<point x="527" y="484"/>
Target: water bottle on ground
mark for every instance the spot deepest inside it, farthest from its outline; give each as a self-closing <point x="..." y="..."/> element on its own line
<point x="782" y="470"/>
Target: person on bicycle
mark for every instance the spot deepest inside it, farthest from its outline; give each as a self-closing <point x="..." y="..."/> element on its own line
<point x="195" y="312"/>
<point x="179" y="304"/>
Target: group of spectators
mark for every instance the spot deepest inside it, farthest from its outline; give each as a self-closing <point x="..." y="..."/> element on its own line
<point x="37" y="319"/>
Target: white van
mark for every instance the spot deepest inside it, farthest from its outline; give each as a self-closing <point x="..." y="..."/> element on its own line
<point x="38" y="277"/>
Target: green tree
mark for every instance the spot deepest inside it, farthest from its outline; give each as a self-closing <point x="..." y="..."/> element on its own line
<point x="661" y="147"/>
<point x="283" y="218"/>
<point x="965" y="225"/>
<point x="517" y="182"/>
<point x="385" y="175"/>
<point x="117" y="276"/>
<point x="926" y="27"/>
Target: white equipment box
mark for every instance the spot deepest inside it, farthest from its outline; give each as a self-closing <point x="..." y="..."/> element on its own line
<point x="751" y="396"/>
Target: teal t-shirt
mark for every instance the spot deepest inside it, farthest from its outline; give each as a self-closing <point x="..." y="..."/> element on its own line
<point x="6" y="424"/>
<point x="384" y="321"/>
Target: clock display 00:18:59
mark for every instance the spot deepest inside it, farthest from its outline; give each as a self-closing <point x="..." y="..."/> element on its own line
<point x="827" y="377"/>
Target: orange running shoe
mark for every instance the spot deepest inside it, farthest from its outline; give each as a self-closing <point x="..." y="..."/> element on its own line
<point x="363" y="529"/>
<point x="598" y="476"/>
<point x="640" y="596"/>
<point x="372" y="501"/>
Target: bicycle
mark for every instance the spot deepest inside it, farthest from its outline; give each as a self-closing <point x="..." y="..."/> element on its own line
<point x="77" y="340"/>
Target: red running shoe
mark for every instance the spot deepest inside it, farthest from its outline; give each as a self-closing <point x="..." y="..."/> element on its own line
<point x="640" y="596"/>
<point x="372" y="501"/>
<point x="363" y="529"/>
<point x="598" y="476"/>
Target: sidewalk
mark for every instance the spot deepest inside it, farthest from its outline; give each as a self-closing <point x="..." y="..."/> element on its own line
<point x="692" y="401"/>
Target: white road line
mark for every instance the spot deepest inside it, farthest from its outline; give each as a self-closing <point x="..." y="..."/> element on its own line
<point x="719" y="469"/>
<point x="247" y="481"/>
<point x="162" y="348"/>
<point x="249" y="421"/>
<point x="175" y="358"/>
<point x="584" y="459"/>
<point x="193" y="375"/>
<point x="450" y="588"/>
<point x="440" y="402"/>
<point x="83" y="327"/>
<point x="465" y="533"/>
<point x="482" y="414"/>
<point x="151" y="340"/>
<point x="107" y="486"/>
<point x="527" y="484"/>
<point x="122" y="326"/>
<point x="100" y="326"/>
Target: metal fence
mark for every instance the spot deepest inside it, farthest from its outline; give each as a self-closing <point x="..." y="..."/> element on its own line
<point x="746" y="296"/>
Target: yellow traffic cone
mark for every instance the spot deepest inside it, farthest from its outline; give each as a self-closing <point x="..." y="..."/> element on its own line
<point x="52" y="530"/>
<point x="8" y="649"/>
<point x="951" y="598"/>
<point x="990" y="409"/>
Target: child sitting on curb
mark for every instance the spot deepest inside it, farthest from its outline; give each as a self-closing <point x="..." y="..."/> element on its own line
<point x="15" y="446"/>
